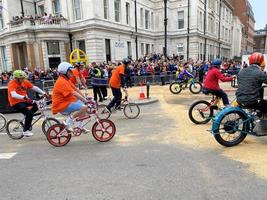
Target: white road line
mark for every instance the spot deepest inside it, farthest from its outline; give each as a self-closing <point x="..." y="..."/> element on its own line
<point x="2" y="133"/>
<point x="7" y="155"/>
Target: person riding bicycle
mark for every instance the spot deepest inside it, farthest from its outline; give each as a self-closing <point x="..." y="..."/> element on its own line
<point x="19" y="100"/>
<point x="77" y="77"/>
<point x="66" y="98"/>
<point x="211" y="83"/>
<point x="184" y="74"/>
<point x="250" y="80"/>
<point x="117" y="81"/>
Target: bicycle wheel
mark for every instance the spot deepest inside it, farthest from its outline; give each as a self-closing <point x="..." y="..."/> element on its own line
<point x="47" y="123"/>
<point x="131" y="110"/>
<point x="104" y="130"/>
<point x="200" y="112"/>
<point x="2" y="122"/>
<point x="195" y="87"/>
<point x="53" y="137"/>
<point x="14" y="129"/>
<point x="232" y="129"/>
<point x="103" y="112"/>
<point x="175" y="88"/>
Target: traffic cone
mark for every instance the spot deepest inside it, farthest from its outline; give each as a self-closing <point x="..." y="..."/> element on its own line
<point x="141" y="93"/>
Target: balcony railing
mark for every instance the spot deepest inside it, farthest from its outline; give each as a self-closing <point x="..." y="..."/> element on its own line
<point x="22" y="24"/>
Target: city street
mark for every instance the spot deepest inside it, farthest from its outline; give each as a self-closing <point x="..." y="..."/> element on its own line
<point x="160" y="155"/>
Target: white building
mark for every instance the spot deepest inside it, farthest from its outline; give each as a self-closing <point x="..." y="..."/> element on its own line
<point x="105" y="29"/>
<point x="237" y="37"/>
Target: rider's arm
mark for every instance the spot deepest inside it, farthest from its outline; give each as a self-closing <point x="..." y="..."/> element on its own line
<point x="263" y="77"/>
<point x="38" y="90"/>
<point x="79" y="96"/>
<point x="16" y="95"/>
<point x="188" y="74"/>
<point x="122" y="80"/>
<point x="221" y="77"/>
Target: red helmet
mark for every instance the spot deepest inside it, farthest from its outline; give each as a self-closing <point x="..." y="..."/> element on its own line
<point x="256" y="58"/>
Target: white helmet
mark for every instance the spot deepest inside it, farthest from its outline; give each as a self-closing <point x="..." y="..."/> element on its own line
<point x="64" y="67"/>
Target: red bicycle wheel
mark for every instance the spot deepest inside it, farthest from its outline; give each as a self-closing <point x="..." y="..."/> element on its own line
<point x="104" y="130"/>
<point x="54" y="138"/>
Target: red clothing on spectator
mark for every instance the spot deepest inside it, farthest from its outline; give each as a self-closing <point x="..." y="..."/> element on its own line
<point x="212" y="79"/>
<point x="85" y="73"/>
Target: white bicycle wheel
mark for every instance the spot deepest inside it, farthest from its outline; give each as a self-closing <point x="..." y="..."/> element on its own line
<point x="2" y="122"/>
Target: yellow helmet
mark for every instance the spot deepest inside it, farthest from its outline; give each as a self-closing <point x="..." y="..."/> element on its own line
<point x="19" y="74"/>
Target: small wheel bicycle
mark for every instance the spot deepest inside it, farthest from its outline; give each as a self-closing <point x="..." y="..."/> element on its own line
<point x="176" y="87"/>
<point x="130" y="110"/>
<point x="103" y="130"/>
<point x="14" y="127"/>
<point x="3" y="122"/>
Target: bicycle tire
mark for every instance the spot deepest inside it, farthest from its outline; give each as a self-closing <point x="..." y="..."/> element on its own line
<point x="193" y="85"/>
<point x="17" y="124"/>
<point x="3" y="122"/>
<point x="230" y="127"/>
<point x="131" y="106"/>
<point x="206" y="119"/>
<point x="175" y="90"/>
<point x="99" y="134"/>
<point x="102" y="112"/>
<point x="48" y="121"/>
<point x="52" y="134"/>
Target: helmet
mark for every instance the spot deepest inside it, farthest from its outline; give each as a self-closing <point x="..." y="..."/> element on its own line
<point x="64" y="67"/>
<point x="216" y="62"/>
<point x="126" y="61"/>
<point x="19" y="74"/>
<point x="256" y="58"/>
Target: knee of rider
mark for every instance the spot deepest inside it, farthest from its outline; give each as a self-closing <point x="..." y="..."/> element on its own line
<point x="84" y="108"/>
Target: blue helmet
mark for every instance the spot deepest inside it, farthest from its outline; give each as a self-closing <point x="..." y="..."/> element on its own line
<point x="216" y="62"/>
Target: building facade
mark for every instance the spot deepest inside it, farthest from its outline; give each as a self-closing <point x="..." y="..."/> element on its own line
<point x="260" y="39"/>
<point x="238" y="28"/>
<point x="243" y="9"/>
<point x="106" y="30"/>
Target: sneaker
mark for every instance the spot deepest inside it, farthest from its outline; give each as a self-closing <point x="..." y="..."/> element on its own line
<point x="68" y="123"/>
<point x="27" y="133"/>
<point x="118" y="108"/>
<point x="105" y="98"/>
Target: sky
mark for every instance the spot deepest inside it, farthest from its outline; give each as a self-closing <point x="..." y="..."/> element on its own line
<point x="260" y="12"/>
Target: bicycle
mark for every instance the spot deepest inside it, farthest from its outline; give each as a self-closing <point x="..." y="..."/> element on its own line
<point x="130" y="110"/>
<point x="201" y="112"/>
<point x="3" y="122"/>
<point x="14" y="127"/>
<point x="103" y="130"/>
<point x="177" y="86"/>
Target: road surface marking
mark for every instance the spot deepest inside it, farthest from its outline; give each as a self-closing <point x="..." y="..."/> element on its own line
<point x="7" y="155"/>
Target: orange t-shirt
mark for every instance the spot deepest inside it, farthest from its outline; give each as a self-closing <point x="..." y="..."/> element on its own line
<point x="115" y="79"/>
<point x="21" y="89"/>
<point x="75" y="73"/>
<point x="62" y="94"/>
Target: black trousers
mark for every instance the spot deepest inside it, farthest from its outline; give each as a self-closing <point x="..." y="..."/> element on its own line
<point x="116" y="99"/>
<point x="96" y="90"/>
<point x="104" y="91"/>
<point x="24" y="109"/>
<point x="218" y="93"/>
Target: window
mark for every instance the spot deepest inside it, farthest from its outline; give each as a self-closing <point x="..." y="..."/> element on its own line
<point x="152" y="20"/>
<point x="77" y="9"/>
<point x="146" y="19"/>
<point x="142" y="49"/>
<point x="127" y="13"/>
<point x="105" y="9"/>
<point x="147" y="49"/>
<point x="53" y="48"/>
<point x="117" y="7"/>
<point x="129" y="49"/>
<point x="141" y="17"/>
<point x="200" y="20"/>
<point x="56" y="7"/>
<point x="180" y="48"/>
<point x="180" y="19"/>
<point x="3" y="59"/>
<point x="41" y="9"/>
<point x="81" y="45"/>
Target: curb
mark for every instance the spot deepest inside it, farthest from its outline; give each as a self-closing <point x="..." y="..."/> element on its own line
<point x="146" y="101"/>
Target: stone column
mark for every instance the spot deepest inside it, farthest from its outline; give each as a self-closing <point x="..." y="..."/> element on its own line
<point x="30" y="55"/>
<point x="67" y="51"/>
<point x="14" y="56"/>
<point x="40" y="54"/>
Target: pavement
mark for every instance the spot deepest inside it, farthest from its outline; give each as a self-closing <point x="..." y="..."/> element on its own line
<point x="160" y="155"/>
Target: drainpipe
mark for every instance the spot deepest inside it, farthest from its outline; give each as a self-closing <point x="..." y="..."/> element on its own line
<point x="205" y="22"/>
<point x="136" y="38"/>
<point x="22" y="9"/>
<point x="188" y="28"/>
<point x="219" y="32"/>
<point x="70" y="37"/>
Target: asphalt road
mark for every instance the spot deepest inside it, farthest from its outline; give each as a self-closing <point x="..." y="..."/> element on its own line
<point x="141" y="162"/>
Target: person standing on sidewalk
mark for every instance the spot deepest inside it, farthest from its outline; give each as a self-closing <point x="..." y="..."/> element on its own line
<point x="95" y="73"/>
<point x="117" y="81"/>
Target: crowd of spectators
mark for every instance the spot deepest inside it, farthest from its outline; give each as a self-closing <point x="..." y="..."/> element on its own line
<point x="154" y="64"/>
<point x="42" y="19"/>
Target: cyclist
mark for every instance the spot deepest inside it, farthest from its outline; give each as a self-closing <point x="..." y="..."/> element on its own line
<point x="117" y="81"/>
<point x="250" y="80"/>
<point x="211" y="83"/>
<point x="78" y="77"/>
<point x="18" y="99"/>
<point x="67" y="99"/>
<point x="184" y="74"/>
